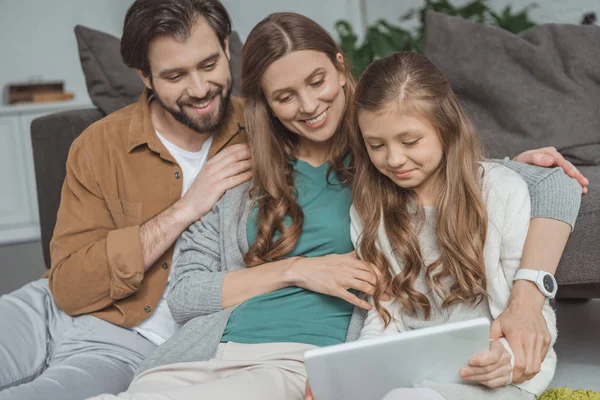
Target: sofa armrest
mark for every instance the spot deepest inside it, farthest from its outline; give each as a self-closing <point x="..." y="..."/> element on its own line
<point x="51" y="138"/>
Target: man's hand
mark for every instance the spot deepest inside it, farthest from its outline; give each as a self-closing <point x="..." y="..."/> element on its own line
<point x="231" y="167"/>
<point x="525" y="329"/>
<point x="308" y="393"/>
<point x="550" y="157"/>
<point x="333" y="275"/>
<point x="224" y="171"/>
<point x="491" y="369"/>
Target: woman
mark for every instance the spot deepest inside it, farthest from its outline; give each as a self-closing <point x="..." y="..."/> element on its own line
<point x="265" y="276"/>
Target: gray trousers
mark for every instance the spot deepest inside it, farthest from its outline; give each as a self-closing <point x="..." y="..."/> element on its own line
<point x="46" y="354"/>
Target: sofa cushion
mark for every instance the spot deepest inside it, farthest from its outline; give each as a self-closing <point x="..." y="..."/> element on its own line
<point x="235" y="61"/>
<point x="111" y="84"/>
<point x="51" y="139"/>
<point x="538" y="88"/>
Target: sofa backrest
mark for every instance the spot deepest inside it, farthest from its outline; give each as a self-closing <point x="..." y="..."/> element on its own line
<point x="51" y="138"/>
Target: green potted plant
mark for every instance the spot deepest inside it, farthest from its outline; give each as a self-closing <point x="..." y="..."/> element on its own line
<point x="383" y="38"/>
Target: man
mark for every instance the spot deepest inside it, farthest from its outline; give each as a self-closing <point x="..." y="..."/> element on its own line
<point x="135" y="181"/>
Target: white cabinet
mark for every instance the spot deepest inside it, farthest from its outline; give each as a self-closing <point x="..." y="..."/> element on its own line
<point x="19" y="218"/>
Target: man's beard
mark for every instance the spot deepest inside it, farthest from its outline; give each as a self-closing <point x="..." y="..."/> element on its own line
<point x="209" y="123"/>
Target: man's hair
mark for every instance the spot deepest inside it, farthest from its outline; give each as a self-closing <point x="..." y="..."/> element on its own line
<point x="147" y="19"/>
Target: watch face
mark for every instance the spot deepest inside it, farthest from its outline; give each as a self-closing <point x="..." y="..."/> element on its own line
<point x="548" y="283"/>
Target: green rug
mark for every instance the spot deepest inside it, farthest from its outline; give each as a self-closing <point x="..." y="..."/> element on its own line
<point x="568" y="394"/>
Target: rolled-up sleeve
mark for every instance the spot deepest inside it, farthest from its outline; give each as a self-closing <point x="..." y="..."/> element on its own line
<point x="125" y="261"/>
<point x="94" y="264"/>
<point x="553" y="193"/>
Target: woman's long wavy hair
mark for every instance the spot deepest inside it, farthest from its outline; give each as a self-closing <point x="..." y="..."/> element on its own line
<point x="272" y="145"/>
<point x="416" y="87"/>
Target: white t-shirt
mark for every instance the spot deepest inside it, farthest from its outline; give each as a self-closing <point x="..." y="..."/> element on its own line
<point x="161" y="325"/>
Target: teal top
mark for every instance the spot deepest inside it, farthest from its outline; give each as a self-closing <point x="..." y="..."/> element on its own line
<point x="294" y="314"/>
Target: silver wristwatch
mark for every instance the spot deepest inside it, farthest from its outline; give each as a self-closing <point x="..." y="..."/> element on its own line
<point x="544" y="281"/>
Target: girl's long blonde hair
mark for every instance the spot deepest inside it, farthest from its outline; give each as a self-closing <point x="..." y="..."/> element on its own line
<point x="272" y="145"/>
<point x="418" y="88"/>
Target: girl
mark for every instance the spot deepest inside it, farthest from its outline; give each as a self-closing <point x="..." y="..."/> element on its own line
<point x="445" y="230"/>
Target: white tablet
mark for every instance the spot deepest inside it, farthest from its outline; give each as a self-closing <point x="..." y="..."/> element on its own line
<point x="369" y="369"/>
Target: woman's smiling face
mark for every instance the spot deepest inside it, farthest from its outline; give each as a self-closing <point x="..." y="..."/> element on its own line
<point x="305" y="92"/>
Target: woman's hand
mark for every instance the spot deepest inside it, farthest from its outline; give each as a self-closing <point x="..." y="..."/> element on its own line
<point x="333" y="275"/>
<point x="492" y="369"/>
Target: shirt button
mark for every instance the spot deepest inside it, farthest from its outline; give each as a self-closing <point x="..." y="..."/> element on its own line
<point x="147" y="309"/>
<point x="165" y="266"/>
<point x="177" y="175"/>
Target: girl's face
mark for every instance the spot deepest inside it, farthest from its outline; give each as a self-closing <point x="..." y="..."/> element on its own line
<point x="406" y="149"/>
<point x="305" y="92"/>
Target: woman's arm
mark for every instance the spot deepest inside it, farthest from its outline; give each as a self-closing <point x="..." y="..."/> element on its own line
<point x="197" y="282"/>
<point x="333" y="274"/>
<point x="201" y="285"/>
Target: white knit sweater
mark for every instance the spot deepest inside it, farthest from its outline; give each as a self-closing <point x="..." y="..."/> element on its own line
<point x="507" y="200"/>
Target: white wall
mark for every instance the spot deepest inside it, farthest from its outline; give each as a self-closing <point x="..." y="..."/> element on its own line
<point x="37" y="38"/>
<point x="548" y="11"/>
<point x="554" y="11"/>
<point x="247" y="13"/>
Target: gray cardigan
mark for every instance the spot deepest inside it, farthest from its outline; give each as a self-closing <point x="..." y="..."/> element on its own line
<point x="217" y="244"/>
<point x="211" y="247"/>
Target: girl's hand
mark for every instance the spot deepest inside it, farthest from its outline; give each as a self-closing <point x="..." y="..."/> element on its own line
<point x="492" y="369"/>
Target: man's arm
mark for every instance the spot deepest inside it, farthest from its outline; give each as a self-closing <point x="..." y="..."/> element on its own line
<point x="226" y="170"/>
<point x="95" y="264"/>
<point x="522" y="322"/>
<point x="555" y="200"/>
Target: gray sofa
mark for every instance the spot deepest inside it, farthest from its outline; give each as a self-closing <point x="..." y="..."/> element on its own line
<point x="464" y="51"/>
